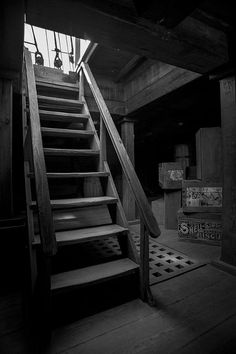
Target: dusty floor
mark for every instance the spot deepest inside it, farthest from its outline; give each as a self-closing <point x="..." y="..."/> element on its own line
<point x="195" y="313"/>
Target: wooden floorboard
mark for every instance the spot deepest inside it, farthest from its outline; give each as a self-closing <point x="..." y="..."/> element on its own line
<point x="195" y="314"/>
<point x="89" y="328"/>
<point x="176" y="322"/>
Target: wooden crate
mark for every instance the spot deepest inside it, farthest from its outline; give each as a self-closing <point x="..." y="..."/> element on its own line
<point x="204" y="228"/>
<point x="171" y="175"/>
<point x="201" y="197"/>
<point x="209" y="154"/>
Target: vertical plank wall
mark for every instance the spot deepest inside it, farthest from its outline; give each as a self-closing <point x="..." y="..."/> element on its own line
<point x="228" y="123"/>
<point x="5" y="148"/>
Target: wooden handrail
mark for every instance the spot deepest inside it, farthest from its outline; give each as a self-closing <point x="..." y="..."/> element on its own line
<point x="47" y="233"/>
<point x="86" y="56"/>
<point x="128" y="169"/>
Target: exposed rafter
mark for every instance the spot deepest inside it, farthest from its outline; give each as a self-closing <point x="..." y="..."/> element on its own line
<point x="193" y="45"/>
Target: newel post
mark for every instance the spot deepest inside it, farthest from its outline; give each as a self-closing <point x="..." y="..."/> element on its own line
<point x="145" y="291"/>
<point x="127" y="136"/>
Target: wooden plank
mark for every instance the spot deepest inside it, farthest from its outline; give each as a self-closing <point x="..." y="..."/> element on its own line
<point x="79" y="218"/>
<point x="87" y="54"/>
<point x="6" y="201"/>
<point x="83" y="235"/>
<point x="62" y="116"/>
<point x="90" y="327"/>
<point x="79" y="202"/>
<point x="210" y="164"/>
<point x="42" y="192"/>
<point x="32" y="257"/>
<point x="172" y="203"/>
<point x="59" y="101"/>
<point x="169" y="14"/>
<point x="67" y="133"/>
<point x="64" y="86"/>
<point x="173" y="326"/>
<point x="131" y="65"/>
<point x="127" y="244"/>
<point x="70" y="152"/>
<point x="141" y="200"/>
<point x="125" y="316"/>
<point x="147" y="91"/>
<point x="73" y="174"/>
<point x="193" y="45"/>
<point x="144" y="264"/>
<point x="93" y="275"/>
<point x="53" y="75"/>
<point x="127" y="135"/>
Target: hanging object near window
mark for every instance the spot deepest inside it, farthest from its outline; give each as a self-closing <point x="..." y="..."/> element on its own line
<point x="71" y="55"/>
<point x="38" y="55"/>
<point x="57" y="61"/>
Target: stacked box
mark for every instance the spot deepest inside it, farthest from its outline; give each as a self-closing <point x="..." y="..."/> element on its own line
<point x="171" y="175"/>
<point x="200" y="227"/>
<point x="201" y="197"/>
<point x="200" y="217"/>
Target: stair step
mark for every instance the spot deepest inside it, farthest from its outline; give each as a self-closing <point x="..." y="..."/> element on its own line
<point x="63" y="117"/>
<point x="79" y="202"/>
<point x="93" y="275"/>
<point x="57" y="86"/>
<point x="70" y="152"/>
<point x="55" y="103"/>
<point x="73" y="174"/>
<point x="67" y="133"/>
<point x="69" y="237"/>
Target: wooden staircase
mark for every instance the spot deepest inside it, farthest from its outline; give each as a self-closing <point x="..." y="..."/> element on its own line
<point x="71" y="196"/>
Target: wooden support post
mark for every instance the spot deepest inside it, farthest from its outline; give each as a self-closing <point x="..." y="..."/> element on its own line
<point x="127" y="135"/>
<point x="6" y="202"/>
<point x="81" y="86"/>
<point x="103" y="144"/>
<point x="172" y="203"/>
<point x="145" y="291"/>
<point x="228" y="123"/>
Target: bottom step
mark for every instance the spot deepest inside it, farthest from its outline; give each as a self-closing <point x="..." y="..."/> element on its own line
<point x="94" y="274"/>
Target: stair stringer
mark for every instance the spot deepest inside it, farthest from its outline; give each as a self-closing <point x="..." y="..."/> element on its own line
<point x="126" y="242"/>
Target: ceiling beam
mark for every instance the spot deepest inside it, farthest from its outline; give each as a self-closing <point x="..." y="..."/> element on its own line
<point x="192" y="45"/>
<point x="131" y="65"/>
<point x="167" y="12"/>
<point x="171" y="79"/>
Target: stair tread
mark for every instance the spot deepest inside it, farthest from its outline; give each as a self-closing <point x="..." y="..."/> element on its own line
<point x="73" y="174"/>
<point x="70" y="152"/>
<point x="57" y="100"/>
<point x="63" y="116"/>
<point x="57" y="85"/>
<point x="93" y="274"/>
<point x="79" y="202"/>
<point x="86" y="234"/>
<point x="66" y="132"/>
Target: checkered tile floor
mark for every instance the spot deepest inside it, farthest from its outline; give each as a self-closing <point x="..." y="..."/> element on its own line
<point x="164" y="262"/>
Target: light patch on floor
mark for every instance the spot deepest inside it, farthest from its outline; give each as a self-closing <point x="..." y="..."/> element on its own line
<point x="164" y="262"/>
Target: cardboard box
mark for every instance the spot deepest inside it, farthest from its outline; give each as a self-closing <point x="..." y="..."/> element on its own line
<point x="203" y="228"/>
<point x="201" y="197"/>
<point x="171" y="175"/>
